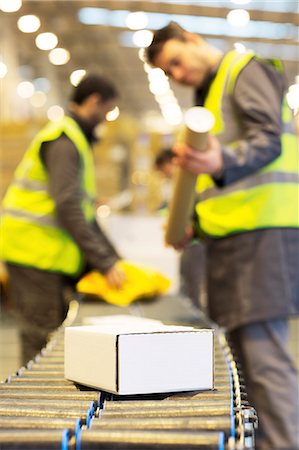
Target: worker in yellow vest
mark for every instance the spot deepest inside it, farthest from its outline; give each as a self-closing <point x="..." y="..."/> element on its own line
<point x="247" y="214"/>
<point x="49" y="233"/>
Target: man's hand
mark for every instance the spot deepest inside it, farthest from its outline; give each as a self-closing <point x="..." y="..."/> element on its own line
<point x="185" y="240"/>
<point x="198" y="162"/>
<point x="115" y="276"/>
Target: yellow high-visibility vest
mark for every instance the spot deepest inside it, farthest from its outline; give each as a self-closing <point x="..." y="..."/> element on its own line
<point x="266" y="199"/>
<point x="30" y="233"/>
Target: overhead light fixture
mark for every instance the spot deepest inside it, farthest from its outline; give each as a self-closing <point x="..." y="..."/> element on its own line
<point x="10" y="5"/>
<point x="25" y="89"/>
<point x="238" y="17"/>
<point x="216" y="26"/>
<point x="113" y="114"/>
<point x="240" y="2"/>
<point x="46" y="41"/>
<point x="240" y="47"/>
<point x="59" y="56"/>
<point x="29" y="23"/>
<point x="293" y="96"/>
<point x="172" y="113"/>
<point x="3" y="69"/>
<point x="38" y="99"/>
<point x="142" y="38"/>
<point x="76" y="76"/>
<point x="137" y="20"/>
<point x="55" y="113"/>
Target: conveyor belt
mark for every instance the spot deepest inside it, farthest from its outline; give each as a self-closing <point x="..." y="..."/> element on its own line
<point x="40" y="409"/>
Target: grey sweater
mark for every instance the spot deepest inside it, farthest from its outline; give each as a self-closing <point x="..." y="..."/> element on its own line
<point x="62" y="161"/>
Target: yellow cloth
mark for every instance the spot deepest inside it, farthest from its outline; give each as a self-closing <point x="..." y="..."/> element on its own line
<point x="141" y="282"/>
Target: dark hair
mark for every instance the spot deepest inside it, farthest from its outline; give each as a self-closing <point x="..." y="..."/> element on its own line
<point x="164" y="156"/>
<point x="94" y="84"/>
<point x="171" y="31"/>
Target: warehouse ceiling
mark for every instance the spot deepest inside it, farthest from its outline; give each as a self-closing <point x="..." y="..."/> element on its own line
<point x="106" y="45"/>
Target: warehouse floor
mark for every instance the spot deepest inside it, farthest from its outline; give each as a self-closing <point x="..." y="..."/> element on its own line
<point x="169" y="309"/>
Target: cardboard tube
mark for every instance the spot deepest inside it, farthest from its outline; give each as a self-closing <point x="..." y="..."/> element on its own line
<point x="199" y="122"/>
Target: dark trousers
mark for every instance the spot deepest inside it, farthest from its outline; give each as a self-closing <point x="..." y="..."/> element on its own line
<point x="272" y="382"/>
<point x="192" y="273"/>
<point x="39" y="305"/>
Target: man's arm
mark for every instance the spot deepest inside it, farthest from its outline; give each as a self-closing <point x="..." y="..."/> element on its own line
<point x="257" y="101"/>
<point x="257" y="98"/>
<point x="62" y="163"/>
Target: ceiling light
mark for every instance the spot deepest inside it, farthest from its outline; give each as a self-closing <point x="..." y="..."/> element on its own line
<point x="169" y="97"/>
<point x="137" y="20"/>
<point x="159" y="87"/>
<point x="217" y="26"/>
<point x="29" y="23"/>
<point x="142" y="38"/>
<point x="25" y="89"/>
<point x="3" y="69"/>
<point x="141" y="55"/>
<point x="147" y="68"/>
<point x="59" y="56"/>
<point x="46" y="41"/>
<point x="157" y="74"/>
<point x="240" y="2"/>
<point x="38" y="99"/>
<point x="113" y="114"/>
<point x="293" y="97"/>
<point x="10" y="5"/>
<point x="172" y="113"/>
<point x="55" y="113"/>
<point x="240" y="47"/>
<point x="103" y="211"/>
<point x="238" y="17"/>
<point x="76" y="76"/>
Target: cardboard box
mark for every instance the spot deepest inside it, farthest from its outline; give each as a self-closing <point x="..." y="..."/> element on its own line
<point x="139" y="358"/>
<point x="118" y="319"/>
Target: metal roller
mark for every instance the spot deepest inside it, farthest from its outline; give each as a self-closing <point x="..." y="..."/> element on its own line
<point x="22" y="387"/>
<point x="42" y="380"/>
<point x="165" y="423"/>
<point x="191" y="396"/>
<point x="56" y="352"/>
<point x="44" y="360"/>
<point x="45" y="366"/>
<point x="40" y="373"/>
<point x="225" y="393"/>
<point x="36" y="403"/>
<point x="150" y="440"/>
<point x="23" y="411"/>
<point x="50" y="395"/>
<point x="221" y="374"/>
<point x="188" y="411"/>
<point x="221" y="385"/>
<point x="35" y="423"/>
<point x="49" y="359"/>
<point x="136" y="404"/>
<point x="34" y="439"/>
<point x="221" y="370"/>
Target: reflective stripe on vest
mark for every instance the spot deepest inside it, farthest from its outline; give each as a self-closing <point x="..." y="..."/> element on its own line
<point x="268" y="198"/>
<point x="29" y="230"/>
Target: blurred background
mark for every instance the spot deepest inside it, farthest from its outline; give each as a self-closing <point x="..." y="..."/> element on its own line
<point x="46" y="46"/>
